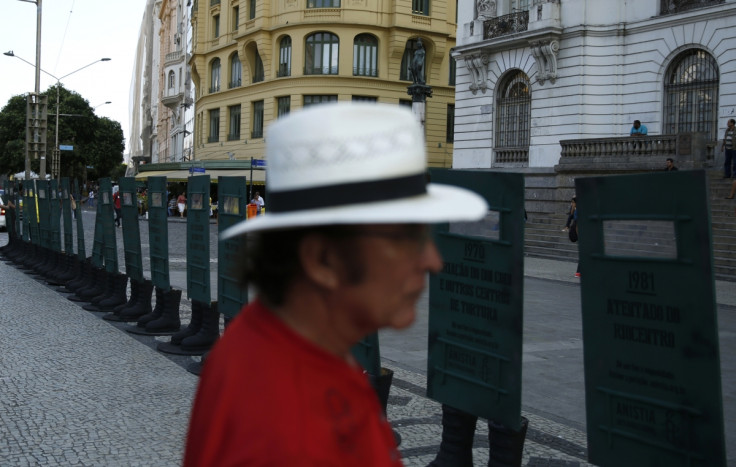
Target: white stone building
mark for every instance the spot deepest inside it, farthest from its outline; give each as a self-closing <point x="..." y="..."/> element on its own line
<point x="531" y="73"/>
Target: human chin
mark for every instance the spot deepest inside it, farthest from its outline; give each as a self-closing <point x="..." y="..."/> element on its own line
<point x="404" y="318"/>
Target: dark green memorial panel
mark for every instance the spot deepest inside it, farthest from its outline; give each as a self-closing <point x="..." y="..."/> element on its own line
<point x="44" y="216"/>
<point x="232" y="201"/>
<point x="81" y="248"/>
<point x="54" y="215"/>
<point x="198" y="239"/>
<point x="17" y="197"/>
<point x="98" y="242"/>
<point x="476" y="303"/>
<point x="66" y="215"/>
<point x="107" y="210"/>
<point x="158" y="232"/>
<point x="650" y="333"/>
<point x="131" y="229"/>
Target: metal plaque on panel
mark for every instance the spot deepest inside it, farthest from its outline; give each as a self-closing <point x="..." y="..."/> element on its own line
<point x="81" y="249"/>
<point x="66" y="215"/>
<point x="108" y="225"/>
<point x="650" y="333"/>
<point x="198" y="239"/>
<point x="131" y="229"/>
<point x="231" y="205"/>
<point x="476" y="303"/>
<point x="44" y="217"/>
<point x="54" y="216"/>
<point x="158" y="232"/>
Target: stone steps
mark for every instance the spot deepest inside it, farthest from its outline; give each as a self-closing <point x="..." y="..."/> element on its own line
<point x="547" y="203"/>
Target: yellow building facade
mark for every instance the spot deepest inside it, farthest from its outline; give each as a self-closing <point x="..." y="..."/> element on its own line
<point x="254" y="60"/>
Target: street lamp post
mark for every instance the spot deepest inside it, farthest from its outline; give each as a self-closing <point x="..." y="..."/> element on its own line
<point x="39" y="9"/>
<point x="58" y="91"/>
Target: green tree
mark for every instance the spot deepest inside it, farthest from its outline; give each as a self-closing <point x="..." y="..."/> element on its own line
<point x="98" y="142"/>
<point x="13" y="136"/>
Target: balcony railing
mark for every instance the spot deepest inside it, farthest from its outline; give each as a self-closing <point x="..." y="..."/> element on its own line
<point x="213" y="139"/>
<point x="668" y="7"/>
<point x="654" y="146"/>
<point x="256" y="134"/>
<point x="258" y="78"/>
<point x="215" y="88"/>
<point x="234" y="84"/>
<point x="361" y="71"/>
<point x="173" y="56"/>
<point x="284" y="70"/>
<point x="233" y="137"/>
<point x="506" y="24"/>
<point x="512" y="155"/>
<point x="326" y="70"/>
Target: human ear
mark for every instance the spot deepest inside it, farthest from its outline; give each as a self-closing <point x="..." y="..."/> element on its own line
<point x="319" y="261"/>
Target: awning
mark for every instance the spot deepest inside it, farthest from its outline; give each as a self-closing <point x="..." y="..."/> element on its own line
<point x="259" y="176"/>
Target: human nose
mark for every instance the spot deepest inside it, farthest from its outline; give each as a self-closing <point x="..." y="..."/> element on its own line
<point x="431" y="257"/>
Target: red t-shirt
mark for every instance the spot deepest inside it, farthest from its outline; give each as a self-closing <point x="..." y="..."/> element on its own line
<point x="269" y="397"/>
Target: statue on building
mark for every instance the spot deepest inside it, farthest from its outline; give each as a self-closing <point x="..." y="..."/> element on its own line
<point x="486" y="9"/>
<point x="416" y="67"/>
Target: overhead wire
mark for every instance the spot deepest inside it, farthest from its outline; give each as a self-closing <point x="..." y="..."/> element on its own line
<point x="63" y="38"/>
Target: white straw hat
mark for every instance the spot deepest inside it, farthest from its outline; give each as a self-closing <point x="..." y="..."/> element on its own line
<point x="353" y="163"/>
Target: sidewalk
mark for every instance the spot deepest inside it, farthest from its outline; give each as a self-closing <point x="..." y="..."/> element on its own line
<point x="77" y="390"/>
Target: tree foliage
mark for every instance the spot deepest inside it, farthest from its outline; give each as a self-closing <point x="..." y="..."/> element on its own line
<point x="98" y="142"/>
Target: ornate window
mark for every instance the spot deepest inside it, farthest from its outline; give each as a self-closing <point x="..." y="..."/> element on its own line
<point x="257" y="120"/>
<point x="365" y="55"/>
<point x="172" y="79"/>
<point x="513" y="118"/>
<point x="323" y="3"/>
<point x="236" y="71"/>
<point x="215" y="75"/>
<point x="284" y="57"/>
<point x="322" y="54"/>
<point x="691" y="94"/>
<point x="405" y="74"/>
<point x="214" y="135"/>
<point x="234" y="131"/>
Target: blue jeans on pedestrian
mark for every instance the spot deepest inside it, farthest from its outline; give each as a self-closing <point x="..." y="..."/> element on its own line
<point x="728" y="166"/>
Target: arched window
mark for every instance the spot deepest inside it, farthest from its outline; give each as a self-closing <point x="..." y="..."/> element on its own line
<point x="691" y="94"/>
<point x="513" y="118"/>
<point x="284" y="57"/>
<point x="172" y="79"/>
<point x="405" y="74"/>
<point x="321" y="54"/>
<point x="236" y="72"/>
<point x="215" y="75"/>
<point x="258" y="73"/>
<point x="365" y="55"/>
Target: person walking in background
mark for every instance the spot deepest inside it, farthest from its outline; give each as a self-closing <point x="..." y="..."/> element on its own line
<point x="670" y="165"/>
<point x="638" y="129"/>
<point x="570" y="213"/>
<point x="729" y="165"/>
<point x="343" y="251"/>
<point x="117" y="205"/>
<point x="91" y="198"/>
<point x="181" y="203"/>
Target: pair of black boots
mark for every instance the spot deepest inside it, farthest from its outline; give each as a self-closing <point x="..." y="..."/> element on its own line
<point x="199" y="336"/>
<point x="458" y="430"/>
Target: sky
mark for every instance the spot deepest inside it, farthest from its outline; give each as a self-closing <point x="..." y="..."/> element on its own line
<point x="74" y="33"/>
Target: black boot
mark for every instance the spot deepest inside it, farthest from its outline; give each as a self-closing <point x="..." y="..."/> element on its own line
<point x="142" y="305"/>
<point x="207" y="334"/>
<point x="458" y="430"/>
<point x="113" y="315"/>
<point x="158" y="309"/>
<point x="169" y="321"/>
<point x="117" y="294"/>
<point x="506" y="446"/>
<point x="195" y="324"/>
